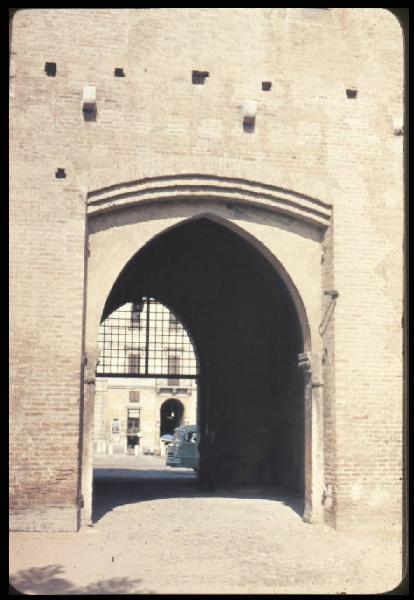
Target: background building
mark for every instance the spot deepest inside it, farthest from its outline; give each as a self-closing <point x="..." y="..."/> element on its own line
<point x="131" y="407"/>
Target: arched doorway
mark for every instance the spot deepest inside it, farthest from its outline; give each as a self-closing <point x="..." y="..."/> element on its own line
<point x="171" y="415"/>
<point x="246" y="328"/>
<point x="176" y="255"/>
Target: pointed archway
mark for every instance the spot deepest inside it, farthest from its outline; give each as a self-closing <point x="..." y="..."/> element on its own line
<point x="248" y="324"/>
<point x="248" y="334"/>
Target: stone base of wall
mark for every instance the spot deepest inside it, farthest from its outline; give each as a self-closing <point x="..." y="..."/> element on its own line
<point x="376" y="522"/>
<point x="55" y="518"/>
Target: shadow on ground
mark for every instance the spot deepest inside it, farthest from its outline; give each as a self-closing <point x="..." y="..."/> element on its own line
<point x="117" y="487"/>
<point x="48" y="581"/>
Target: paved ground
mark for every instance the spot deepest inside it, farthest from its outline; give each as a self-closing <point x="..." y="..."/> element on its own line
<point x="156" y="533"/>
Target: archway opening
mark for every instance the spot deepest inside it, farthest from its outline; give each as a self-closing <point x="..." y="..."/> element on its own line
<point x="244" y="324"/>
<point x="171" y="416"/>
<point x="248" y="335"/>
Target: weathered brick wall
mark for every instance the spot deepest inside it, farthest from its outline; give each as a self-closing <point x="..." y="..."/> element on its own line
<point x="309" y="137"/>
<point x="327" y="331"/>
<point x="368" y="236"/>
<point x="46" y="287"/>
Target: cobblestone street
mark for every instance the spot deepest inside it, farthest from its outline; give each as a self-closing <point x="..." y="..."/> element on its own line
<point x="156" y="532"/>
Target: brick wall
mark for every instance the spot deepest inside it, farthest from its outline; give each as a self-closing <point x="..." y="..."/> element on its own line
<point x="47" y="241"/>
<point x="327" y="331"/>
<point x="309" y="137"/>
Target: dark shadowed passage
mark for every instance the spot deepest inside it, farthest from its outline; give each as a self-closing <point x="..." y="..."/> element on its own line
<point x="247" y="336"/>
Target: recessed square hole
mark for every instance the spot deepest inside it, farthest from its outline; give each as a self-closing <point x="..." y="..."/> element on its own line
<point x="60" y="173"/>
<point x="118" y="72"/>
<point x="351" y="93"/>
<point x="89" y="112"/>
<point x="50" y="69"/>
<point x="199" y="77"/>
<point x="266" y="86"/>
<point x="249" y="124"/>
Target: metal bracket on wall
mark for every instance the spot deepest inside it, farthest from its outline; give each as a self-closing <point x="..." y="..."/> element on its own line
<point x="329" y="311"/>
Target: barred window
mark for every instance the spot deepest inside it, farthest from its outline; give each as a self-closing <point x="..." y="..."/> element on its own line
<point x="137" y="339"/>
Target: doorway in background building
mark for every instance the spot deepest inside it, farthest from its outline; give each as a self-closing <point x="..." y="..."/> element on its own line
<point x="133" y="419"/>
<point x="171" y="416"/>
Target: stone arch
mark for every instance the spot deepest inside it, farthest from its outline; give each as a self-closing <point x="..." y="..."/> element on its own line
<point x="94" y="182"/>
<point x="267" y="255"/>
<point x="189" y="186"/>
<point x="174" y="410"/>
<point x="277" y="265"/>
<point x="259" y="245"/>
<point x="215" y="208"/>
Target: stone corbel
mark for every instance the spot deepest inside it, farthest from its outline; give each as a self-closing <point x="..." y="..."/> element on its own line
<point x="304" y="364"/>
<point x="90" y="361"/>
<point x="309" y="366"/>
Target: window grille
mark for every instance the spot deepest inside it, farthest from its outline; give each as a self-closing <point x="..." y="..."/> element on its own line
<point x="145" y="339"/>
<point x="136" y="310"/>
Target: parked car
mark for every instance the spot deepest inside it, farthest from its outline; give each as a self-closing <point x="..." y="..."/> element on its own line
<point x="165" y="441"/>
<point x="183" y="451"/>
<point x="167" y="438"/>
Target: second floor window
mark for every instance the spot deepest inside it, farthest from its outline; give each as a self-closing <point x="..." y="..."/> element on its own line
<point x="136" y="310"/>
<point x="134" y="395"/>
<point x="133" y="363"/>
<point x="173" y="369"/>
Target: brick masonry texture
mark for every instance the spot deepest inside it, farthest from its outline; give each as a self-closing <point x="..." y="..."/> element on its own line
<point x="309" y="138"/>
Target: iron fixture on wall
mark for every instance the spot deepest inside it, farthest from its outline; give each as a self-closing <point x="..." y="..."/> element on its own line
<point x="329" y="311"/>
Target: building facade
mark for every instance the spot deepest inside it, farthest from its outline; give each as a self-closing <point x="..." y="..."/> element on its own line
<point x="131" y="414"/>
<point x="245" y="168"/>
<point x="141" y="395"/>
